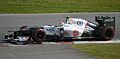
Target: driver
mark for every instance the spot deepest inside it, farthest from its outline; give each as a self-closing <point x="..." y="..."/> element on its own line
<point x="67" y="18"/>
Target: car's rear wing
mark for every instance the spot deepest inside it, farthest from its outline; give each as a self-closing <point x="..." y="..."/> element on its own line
<point x="105" y="21"/>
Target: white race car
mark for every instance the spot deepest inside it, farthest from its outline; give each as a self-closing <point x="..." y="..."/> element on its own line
<point x="71" y="29"/>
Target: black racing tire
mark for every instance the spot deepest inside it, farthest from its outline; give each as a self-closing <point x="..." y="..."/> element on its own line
<point x="107" y="33"/>
<point x="39" y="36"/>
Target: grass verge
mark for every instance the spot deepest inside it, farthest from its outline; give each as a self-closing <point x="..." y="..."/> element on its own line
<point x="58" y="6"/>
<point x="100" y="51"/>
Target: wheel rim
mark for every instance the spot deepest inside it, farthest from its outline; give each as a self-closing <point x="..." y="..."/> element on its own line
<point x="109" y="33"/>
<point x="39" y="36"/>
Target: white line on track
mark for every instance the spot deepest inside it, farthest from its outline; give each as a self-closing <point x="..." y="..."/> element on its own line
<point x="96" y="42"/>
<point x="74" y="42"/>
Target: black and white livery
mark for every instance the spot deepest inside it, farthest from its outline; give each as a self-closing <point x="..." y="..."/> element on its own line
<point x="71" y="29"/>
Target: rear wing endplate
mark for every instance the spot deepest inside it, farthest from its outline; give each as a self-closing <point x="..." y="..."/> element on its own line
<point x="105" y="21"/>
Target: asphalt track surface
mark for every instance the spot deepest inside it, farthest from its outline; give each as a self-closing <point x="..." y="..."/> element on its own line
<point x="45" y="51"/>
<point x="42" y="52"/>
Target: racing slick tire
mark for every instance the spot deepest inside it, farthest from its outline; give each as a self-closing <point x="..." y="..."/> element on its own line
<point x="107" y="33"/>
<point x="38" y="36"/>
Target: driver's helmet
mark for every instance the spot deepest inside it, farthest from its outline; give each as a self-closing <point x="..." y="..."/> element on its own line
<point x="67" y="18"/>
<point x="61" y="23"/>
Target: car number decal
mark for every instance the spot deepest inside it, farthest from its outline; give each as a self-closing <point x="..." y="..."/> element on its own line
<point x="50" y="30"/>
<point x="80" y="23"/>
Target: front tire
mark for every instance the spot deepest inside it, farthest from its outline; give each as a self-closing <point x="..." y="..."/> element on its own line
<point x="38" y="36"/>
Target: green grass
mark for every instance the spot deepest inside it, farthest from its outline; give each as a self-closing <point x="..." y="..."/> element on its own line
<point x="100" y="51"/>
<point x="58" y="6"/>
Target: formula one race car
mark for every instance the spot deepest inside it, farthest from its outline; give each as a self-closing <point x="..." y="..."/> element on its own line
<point x="71" y="29"/>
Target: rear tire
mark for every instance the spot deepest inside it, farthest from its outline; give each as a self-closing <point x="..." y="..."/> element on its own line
<point x="107" y="33"/>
